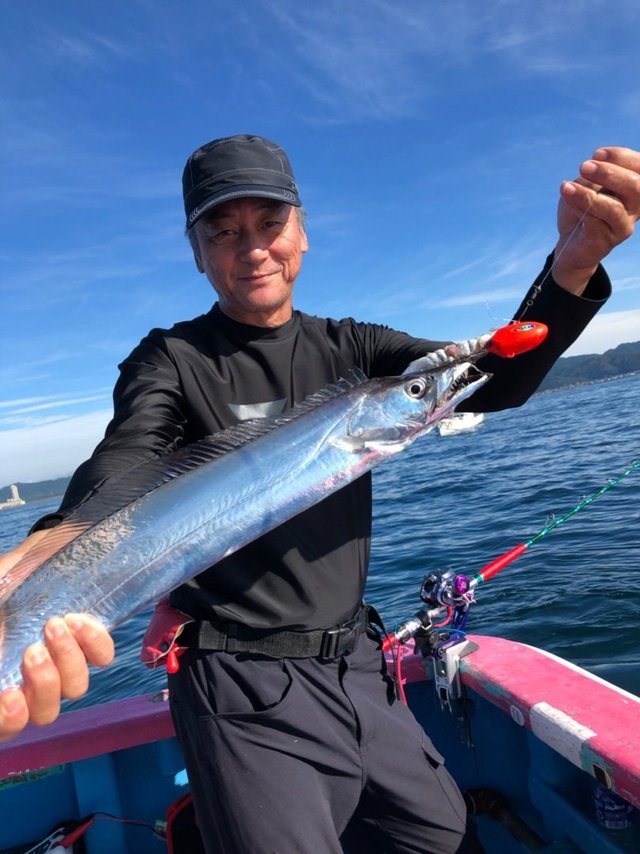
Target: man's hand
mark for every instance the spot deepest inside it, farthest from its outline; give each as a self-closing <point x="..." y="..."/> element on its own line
<point x="54" y="669"/>
<point x="597" y="211"/>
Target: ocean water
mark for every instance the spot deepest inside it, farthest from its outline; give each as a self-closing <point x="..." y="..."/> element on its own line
<point x="462" y="501"/>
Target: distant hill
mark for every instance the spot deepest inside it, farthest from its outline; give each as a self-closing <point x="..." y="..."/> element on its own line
<point x="571" y="370"/>
<point x="36" y="491"/>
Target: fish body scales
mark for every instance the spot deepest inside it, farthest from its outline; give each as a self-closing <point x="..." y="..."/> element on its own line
<point x="143" y="550"/>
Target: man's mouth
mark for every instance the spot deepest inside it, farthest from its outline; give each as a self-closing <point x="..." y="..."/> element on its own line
<point x="259" y="277"/>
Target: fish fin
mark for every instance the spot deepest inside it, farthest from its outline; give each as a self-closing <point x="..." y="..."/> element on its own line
<point x="133" y="484"/>
<point x="246" y="431"/>
<point x="350" y="444"/>
<point x="355" y="378"/>
<point x="211" y="447"/>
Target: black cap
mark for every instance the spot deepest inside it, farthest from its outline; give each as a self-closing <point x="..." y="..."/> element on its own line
<point x="233" y="167"/>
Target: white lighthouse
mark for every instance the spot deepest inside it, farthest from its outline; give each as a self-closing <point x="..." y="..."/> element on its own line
<point x="14" y="500"/>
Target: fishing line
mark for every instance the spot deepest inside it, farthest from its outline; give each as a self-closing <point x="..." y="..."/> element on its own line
<point x="446" y="590"/>
<point x="537" y="288"/>
<point x="495" y="566"/>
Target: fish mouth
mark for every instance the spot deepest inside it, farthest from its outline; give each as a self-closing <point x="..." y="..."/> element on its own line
<point x="466" y="379"/>
<point x="470" y="374"/>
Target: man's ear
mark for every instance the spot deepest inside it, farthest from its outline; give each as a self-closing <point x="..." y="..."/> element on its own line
<point x="197" y="257"/>
<point x="195" y="248"/>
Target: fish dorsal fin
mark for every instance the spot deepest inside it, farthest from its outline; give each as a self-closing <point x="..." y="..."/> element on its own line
<point x="125" y="488"/>
<point x="208" y="449"/>
<point x="134" y="483"/>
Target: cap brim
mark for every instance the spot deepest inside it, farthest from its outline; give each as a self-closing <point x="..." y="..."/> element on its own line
<point x="279" y="194"/>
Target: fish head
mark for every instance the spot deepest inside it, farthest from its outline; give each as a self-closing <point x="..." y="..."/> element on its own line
<point x="402" y="408"/>
<point x="448" y="387"/>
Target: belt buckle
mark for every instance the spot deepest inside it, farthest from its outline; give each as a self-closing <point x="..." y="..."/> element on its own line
<point x="329" y="643"/>
<point x="340" y="640"/>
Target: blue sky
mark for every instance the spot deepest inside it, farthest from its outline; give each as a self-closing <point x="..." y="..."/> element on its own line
<point x="429" y="140"/>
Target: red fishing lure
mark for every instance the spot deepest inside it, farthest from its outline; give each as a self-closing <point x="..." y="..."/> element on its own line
<point x="516" y="338"/>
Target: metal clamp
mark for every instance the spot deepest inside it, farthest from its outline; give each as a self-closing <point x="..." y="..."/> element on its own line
<point x="446" y="673"/>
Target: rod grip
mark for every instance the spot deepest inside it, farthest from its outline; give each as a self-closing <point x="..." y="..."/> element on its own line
<point x="495" y="566"/>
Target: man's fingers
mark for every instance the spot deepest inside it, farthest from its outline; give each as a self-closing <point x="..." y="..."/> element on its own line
<point x="627" y="158"/>
<point x="68" y="657"/>
<point x="60" y="668"/>
<point x="14" y="713"/>
<point x="54" y="669"/>
<point x="597" y="209"/>
<point x="616" y="175"/>
<point x="470" y="347"/>
<point x="42" y="684"/>
<point x="619" y="184"/>
<point x="94" y="640"/>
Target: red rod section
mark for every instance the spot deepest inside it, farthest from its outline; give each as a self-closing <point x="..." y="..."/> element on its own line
<point x="498" y="564"/>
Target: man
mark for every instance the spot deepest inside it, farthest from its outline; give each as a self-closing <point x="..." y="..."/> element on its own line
<point x="292" y="745"/>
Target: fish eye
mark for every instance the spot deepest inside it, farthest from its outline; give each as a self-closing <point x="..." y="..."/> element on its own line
<point x="416" y="387"/>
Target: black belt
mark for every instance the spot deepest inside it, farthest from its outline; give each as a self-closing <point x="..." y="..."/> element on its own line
<point x="236" y="637"/>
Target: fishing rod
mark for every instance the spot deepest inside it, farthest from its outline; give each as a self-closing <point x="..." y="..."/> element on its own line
<point x="453" y="593"/>
<point x="497" y="565"/>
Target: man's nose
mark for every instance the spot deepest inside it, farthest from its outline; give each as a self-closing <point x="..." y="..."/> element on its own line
<point x="252" y="246"/>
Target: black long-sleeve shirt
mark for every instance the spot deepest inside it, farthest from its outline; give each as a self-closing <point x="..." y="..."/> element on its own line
<point x="203" y="375"/>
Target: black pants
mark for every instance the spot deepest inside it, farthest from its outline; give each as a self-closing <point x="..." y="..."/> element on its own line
<point x="302" y="755"/>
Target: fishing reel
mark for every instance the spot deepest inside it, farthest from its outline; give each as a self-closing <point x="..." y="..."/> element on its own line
<point x="447" y="589"/>
<point x="447" y="596"/>
<point x="444" y="590"/>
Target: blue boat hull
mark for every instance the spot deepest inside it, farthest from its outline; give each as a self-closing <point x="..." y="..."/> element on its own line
<point x="516" y="722"/>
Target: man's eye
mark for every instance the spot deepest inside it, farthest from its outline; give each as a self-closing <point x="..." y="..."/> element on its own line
<point x="225" y="235"/>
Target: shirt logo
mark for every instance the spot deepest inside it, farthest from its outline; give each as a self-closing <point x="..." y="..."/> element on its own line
<point x="246" y="411"/>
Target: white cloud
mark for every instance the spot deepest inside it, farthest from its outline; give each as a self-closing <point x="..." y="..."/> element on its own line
<point x="488" y="298"/>
<point x="19" y="411"/>
<point x="51" y="449"/>
<point x="86" y="49"/>
<point x="606" y="331"/>
<point x="368" y="59"/>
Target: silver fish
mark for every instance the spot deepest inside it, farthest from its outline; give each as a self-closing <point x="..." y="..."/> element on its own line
<point x="126" y="547"/>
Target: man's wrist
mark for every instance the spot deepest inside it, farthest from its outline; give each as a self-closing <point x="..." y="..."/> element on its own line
<point x="574" y="280"/>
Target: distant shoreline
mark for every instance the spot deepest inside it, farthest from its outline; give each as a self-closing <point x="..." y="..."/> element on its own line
<point x="37" y="491"/>
<point x="623" y="360"/>
<point x="579" y="383"/>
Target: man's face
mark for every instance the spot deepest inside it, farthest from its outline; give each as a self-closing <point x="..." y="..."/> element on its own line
<point x="251" y="251"/>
